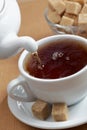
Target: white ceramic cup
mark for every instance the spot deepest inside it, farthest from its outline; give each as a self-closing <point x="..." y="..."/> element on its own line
<point x="70" y="89"/>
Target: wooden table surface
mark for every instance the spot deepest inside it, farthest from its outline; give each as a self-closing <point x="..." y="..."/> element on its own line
<point x="33" y="24"/>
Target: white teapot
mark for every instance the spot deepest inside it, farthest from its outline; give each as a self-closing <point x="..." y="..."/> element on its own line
<point x="10" y="19"/>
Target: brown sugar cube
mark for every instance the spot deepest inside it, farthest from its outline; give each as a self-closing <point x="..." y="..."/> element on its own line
<point x="66" y="21"/>
<point x="73" y="7"/>
<point x="82" y="2"/>
<point x="54" y="17"/>
<point x="41" y="109"/>
<point x="73" y="17"/>
<point x="82" y="21"/>
<point x="85" y="1"/>
<point x="51" y="5"/>
<point x="84" y="9"/>
<point x="79" y="1"/>
<point x="60" y="112"/>
<point x="57" y="5"/>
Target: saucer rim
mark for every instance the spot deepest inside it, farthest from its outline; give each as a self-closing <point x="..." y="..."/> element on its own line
<point x="44" y="124"/>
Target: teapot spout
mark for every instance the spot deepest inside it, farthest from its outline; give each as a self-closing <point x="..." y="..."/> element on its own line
<point x="28" y="43"/>
<point x="11" y="45"/>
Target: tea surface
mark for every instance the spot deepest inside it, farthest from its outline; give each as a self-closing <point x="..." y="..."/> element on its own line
<point x="58" y="59"/>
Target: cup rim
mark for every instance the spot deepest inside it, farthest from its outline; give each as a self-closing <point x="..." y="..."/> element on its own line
<point x="25" y="53"/>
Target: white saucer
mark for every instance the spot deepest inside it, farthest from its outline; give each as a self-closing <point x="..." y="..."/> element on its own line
<point x="22" y="111"/>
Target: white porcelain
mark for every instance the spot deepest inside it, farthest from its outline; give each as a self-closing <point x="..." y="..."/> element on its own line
<point x="70" y="89"/>
<point x="10" y="20"/>
<point x="2" y="3"/>
<point x="22" y="111"/>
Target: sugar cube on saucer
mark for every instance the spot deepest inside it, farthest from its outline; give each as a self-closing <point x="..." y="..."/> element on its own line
<point x="60" y="112"/>
<point x="41" y="109"/>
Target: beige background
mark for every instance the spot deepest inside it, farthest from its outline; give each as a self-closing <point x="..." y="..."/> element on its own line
<point x="33" y="24"/>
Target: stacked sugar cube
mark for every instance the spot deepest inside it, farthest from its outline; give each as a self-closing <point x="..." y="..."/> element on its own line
<point x="68" y="12"/>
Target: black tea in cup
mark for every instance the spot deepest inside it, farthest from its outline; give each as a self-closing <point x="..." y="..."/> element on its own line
<point x="58" y="59"/>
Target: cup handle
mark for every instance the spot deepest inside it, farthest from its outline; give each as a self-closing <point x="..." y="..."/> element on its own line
<point x="19" y="90"/>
